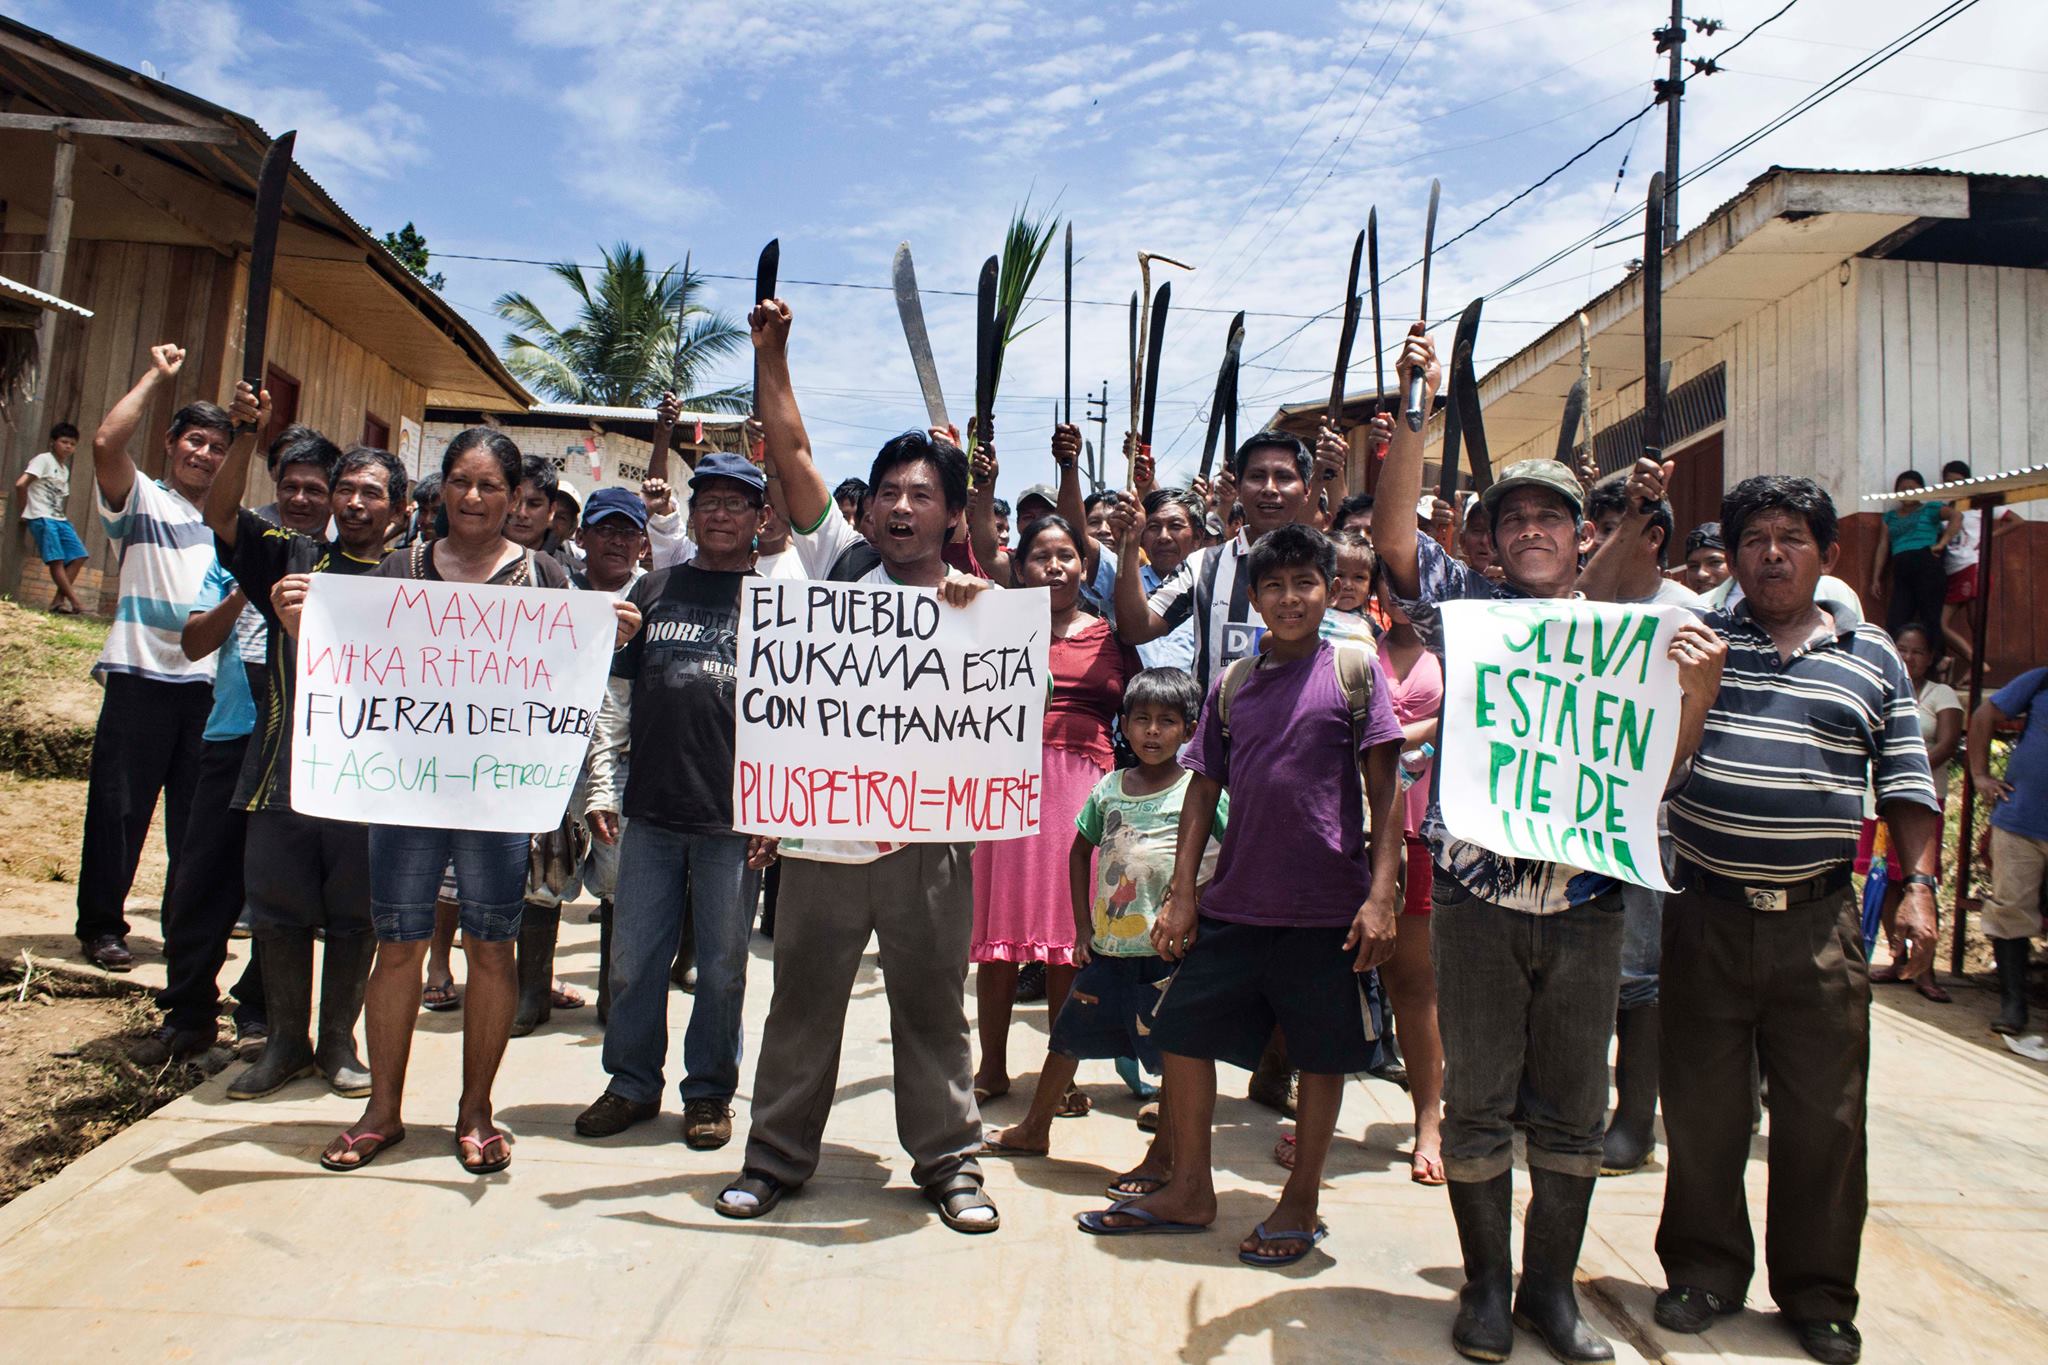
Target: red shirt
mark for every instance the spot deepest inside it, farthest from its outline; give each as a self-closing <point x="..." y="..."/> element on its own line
<point x="1089" y="669"/>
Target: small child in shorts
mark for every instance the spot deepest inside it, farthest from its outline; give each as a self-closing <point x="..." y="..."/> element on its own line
<point x="1301" y="905"/>
<point x="45" y="490"/>
<point x="1128" y="828"/>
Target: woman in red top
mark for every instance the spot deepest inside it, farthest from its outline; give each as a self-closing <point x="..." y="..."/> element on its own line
<point x="1023" y="906"/>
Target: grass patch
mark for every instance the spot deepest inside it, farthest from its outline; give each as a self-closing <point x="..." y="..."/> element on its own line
<point x="49" y="703"/>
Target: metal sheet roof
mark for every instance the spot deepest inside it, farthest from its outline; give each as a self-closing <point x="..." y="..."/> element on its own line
<point x="2014" y="485"/>
<point x="21" y="293"/>
<point x="598" y="413"/>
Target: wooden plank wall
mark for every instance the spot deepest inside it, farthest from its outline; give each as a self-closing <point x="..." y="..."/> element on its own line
<point x="340" y="382"/>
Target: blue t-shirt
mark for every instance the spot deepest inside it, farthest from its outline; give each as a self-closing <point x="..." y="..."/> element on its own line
<point x="2026" y="810"/>
<point x="234" y="708"/>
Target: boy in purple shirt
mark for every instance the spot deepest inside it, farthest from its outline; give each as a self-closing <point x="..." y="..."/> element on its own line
<point x="1298" y="909"/>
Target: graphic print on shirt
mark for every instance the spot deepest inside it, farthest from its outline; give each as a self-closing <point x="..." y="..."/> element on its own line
<point x="686" y="642"/>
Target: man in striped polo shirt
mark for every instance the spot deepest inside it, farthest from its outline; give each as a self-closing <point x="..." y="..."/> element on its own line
<point x="153" y="716"/>
<point x="1763" y="948"/>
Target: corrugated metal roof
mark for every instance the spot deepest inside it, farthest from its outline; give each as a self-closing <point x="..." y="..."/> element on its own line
<point x="598" y="413"/>
<point x="2013" y="485"/>
<point x="14" y="289"/>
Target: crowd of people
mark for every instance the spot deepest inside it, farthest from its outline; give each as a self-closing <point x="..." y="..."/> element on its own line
<point x="1241" y="855"/>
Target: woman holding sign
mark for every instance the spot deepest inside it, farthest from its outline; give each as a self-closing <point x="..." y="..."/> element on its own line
<point x="1022" y="909"/>
<point x="478" y="474"/>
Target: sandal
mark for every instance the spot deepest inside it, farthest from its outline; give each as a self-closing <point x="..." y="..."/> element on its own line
<point x="348" y="1147"/>
<point x="992" y="1144"/>
<point x="1283" y="1151"/>
<point x="1075" y="1104"/>
<point x="1887" y="975"/>
<point x="480" y="1142"/>
<point x="565" y="998"/>
<point x="1426" y="1170"/>
<point x="763" y="1189"/>
<point x="1131" y="1185"/>
<point x="1148" y="1223"/>
<point x="957" y="1196"/>
<point x="441" y="995"/>
<point x="1931" y="990"/>
<point x="1273" y="1260"/>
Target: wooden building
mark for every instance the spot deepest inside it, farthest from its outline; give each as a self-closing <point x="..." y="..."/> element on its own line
<point x="590" y="445"/>
<point x="148" y="215"/>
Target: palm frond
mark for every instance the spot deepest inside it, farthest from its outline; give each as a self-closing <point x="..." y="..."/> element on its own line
<point x="1024" y="249"/>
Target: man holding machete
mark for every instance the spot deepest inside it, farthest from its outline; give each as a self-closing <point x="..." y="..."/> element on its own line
<point x="917" y="898"/>
<point x="1528" y="953"/>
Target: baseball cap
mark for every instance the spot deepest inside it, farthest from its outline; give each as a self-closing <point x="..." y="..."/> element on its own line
<point x="615" y="502"/>
<point x="1043" y="492"/>
<point x="1551" y="474"/>
<point x="565" y="489"/>
<point x="739" y="469"/>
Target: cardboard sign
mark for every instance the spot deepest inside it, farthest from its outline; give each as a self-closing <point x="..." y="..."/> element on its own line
<point x="449" y="705"/>
<point x="874" y="712"/>
<point x="1560" y="723"/>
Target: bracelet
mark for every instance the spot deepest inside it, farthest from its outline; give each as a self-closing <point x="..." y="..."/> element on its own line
<point x="1932" y="883"/>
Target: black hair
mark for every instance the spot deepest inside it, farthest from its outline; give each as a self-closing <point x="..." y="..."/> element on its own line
<point x="1098" y="498"/>
<point x="917" y="447"/>
<point x="1174" y="687"/>
<point x="1000" y="506"/>
<point x="1955" y="469"/>
<point x="850" y="488"/>
<point x="492" y="441"/>
<point x="1904" y="474"/>
<point x="204" y="416"/>
<point x="1178" y="497"/>
<point x="1289" y="547"/>
<point x="370" y="457"/>
<point x="1927" y="633"/>
<point x="63" y="429"/>
<point x="1351" y="507"/>
<point x="541" y="474"/>
<point x="1275" y="440"/>
<point x="1038" y="526"/>
<point x="1778" y="493"/>
<point x="309" y="448"/>
<point x="1705" y="536"/>
<point x="1236" y="514"/>
<point x="426" y="490"/>
<point x="285" y="440"/>
<point x="1610" y="494"/>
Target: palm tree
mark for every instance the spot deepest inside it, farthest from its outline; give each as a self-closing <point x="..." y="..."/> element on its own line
<point x="625" y="347"/>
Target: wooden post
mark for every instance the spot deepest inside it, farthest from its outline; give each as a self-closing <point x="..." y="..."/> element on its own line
<point x="29" y="430"/>
<point x="1980" y="631"/>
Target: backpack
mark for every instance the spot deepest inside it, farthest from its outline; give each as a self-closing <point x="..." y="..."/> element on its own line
<point x="1353" y="659"/>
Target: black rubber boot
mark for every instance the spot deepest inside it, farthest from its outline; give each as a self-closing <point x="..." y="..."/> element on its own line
<point x="1632" y="1135"/>
<point x="344" y="976"/>
<point x="1546" y="1303"/>
<point x="1484" y="1211"/>
<point x="604" y="963"/>
<point x="539" y="926"/>
<point x="2011" y="955"/>
<point x="288" y="1011"/>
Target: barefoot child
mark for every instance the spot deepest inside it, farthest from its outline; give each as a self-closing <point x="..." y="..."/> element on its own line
<point x="1133" y="818"/>
<point x="1296" y="912"/>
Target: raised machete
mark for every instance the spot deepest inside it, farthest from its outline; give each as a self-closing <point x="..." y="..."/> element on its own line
<point x="270" y="182"/>
<point x="1347" y="334"/>
<point x="1067" y="388"/>
<point x="1414" y="413"/>
<point x="911" y="309"/>
<point x="1465" y="394"/>
<point x="1454" y="417"/>
<point x="987" y="354"/>
<point x="1154" y="344"/>
<point x="1653" y="321"/>
<point x="1226" y="377"/>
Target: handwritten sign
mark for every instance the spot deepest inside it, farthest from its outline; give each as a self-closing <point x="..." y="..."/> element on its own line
<point x="456" y="705"/>
<point x="869" y="711"/>
<point x="1560" y="722"/>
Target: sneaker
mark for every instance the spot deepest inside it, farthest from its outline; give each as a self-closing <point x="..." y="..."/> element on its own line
<point x="1837" y="1343"/>
<point x="1031" y="982"/>
<point x="1682" y="1308"/>
<point x="707" y="1124"/>
<point x="250" y="1036"/>
<point x="614" y="1114"/>
<point x="167" y="1045"/>
<point x="109" y="952"/>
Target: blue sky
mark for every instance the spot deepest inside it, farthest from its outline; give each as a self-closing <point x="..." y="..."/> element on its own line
<point x="1249" y="140"/>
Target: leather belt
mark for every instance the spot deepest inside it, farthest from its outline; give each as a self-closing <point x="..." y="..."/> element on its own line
<point x="1766" y="898"/>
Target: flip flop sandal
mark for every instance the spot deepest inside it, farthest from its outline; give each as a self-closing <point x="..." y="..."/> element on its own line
<point x="565" y="998"/>
<point x="480" y="1142"/>
<point x="1148" y="1118"/>
<point x="766" y="1190"/>
<point x="992" y="1145"/>
<point x="349" y="1141"/>
<point x="1148" y="1224"/>
<point x="1074" y="1105"/>
<point x="1115" y="1189"/>
<point x="956" y="1198"/>
<point x="441" y="995"/>
<point x="982" y="1096"/>
<point x="1932" y="990"/>
<point x="1426" y="1170"/>
<point x="1310" y="1241"/>
<point x="1283" y="1152"/>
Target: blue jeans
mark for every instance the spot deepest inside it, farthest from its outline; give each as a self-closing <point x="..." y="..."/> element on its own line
<point x="657" y="867"/>
<point x="406" y="864"/>
<point x="1642" y="944"/>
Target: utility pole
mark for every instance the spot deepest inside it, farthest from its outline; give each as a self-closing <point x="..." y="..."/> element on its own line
<point x="1671" y="94"/>
<point x="1098" y="413"/>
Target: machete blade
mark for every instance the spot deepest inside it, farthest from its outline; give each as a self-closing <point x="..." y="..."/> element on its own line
<point x="1154" y="343"/>
<point x="1463" y="339"/>
<point x="1465" y="394"/>
<point x="1568" y="431"/>
<point x="986" y="340"/>
<point x="1067" y="387"/>
<point x="270" y="183"/>
<point x="1414" y="413"/>
<point x="1379" y="350"/>
<point x="1653" y="320"/>
<point x="1347" y="332"/>
<point x="1226" y="376"/>
<point x="910" y="308"/>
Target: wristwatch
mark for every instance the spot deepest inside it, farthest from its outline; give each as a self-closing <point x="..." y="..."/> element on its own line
<point x="1932" y="883"/>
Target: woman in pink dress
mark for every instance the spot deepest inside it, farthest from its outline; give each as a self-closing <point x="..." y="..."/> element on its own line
<point x="1023" y="905"/>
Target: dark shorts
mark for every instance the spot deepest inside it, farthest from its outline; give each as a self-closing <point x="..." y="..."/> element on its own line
<point x="1240" y="980"/>
<point x="301" y="872"/>
<point x="1416" y="873"/>
<point x="1108" y="1013"/>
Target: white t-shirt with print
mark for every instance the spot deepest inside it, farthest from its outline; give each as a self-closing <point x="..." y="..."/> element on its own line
<point x="49" y="489"/>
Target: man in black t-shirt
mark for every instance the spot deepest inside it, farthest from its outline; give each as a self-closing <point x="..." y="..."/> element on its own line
<point x="671" y="701"/>
<point x="301" y="874"/>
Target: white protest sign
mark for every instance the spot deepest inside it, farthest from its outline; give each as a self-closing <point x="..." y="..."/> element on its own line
<point x="1560" y="721"/>
<point x="457" y="705"/>
<point x="874" y="712"/>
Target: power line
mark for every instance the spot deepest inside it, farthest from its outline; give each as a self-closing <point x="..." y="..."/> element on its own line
<point x="1890" y="94"/>
<point x="1754" y="30"/>
<point x="1963" y="151"/>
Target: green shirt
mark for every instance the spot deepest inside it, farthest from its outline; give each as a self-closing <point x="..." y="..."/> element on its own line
<point x="1135" y="838"/>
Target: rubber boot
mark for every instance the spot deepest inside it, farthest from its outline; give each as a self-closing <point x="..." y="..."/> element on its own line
<point x="1546" y="1303"/>
<point x="1484" y="1210"/>
<point x="539" y="926"/>
<point x="1632" y="1135"/>
<point x="288" y="1012"/>
<point x="344" y="977"/>
<point x="2011" y="955"/>
<point x="604" y="963"/>
<point x="1272" y="1082"/>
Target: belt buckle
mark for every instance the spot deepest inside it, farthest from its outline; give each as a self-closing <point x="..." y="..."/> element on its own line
<point x="1765" y="897"/>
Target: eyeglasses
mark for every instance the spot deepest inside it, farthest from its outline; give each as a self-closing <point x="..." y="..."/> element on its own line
<point x="614" y="528"/>
<point x="732" y="504"/>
